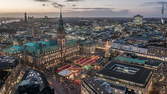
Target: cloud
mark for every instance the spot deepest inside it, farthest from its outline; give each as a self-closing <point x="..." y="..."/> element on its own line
<point x="98" y="12"/>
<point x="44" y="5"/>
<point x="155" y="3"/>
<point x="57" y="5"/>
<point x="42" y="0"/>
<point x="73" y="5"/>
<point x="53" y="0"/>
<point x="73" y="0"/>
<point x="91" y="8"/>
<point x="162" y="2"/>
<point x="53" y="3"/>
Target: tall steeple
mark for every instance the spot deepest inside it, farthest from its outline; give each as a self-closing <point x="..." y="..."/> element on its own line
<point x="25" y="17"/>
<point x="61" y="36"/>
<point x="61" y="23"/>
<point x="60" y="31"/>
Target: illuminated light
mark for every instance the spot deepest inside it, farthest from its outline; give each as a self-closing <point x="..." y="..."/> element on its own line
<point x="107" y="46"/>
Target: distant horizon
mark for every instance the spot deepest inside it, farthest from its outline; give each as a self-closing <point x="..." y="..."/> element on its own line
<point x="66" y="14"/>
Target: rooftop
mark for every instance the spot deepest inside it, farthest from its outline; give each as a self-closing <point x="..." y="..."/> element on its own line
<point x="36" y="48"/>
<point x="139" y="60"/>
<point x="126" y="73"/>
<point x="7" y="62"/>
<point x="126" y="59"/>
<point x="103" y="87"/>
<point x="32" y="81"/>
<point x="14" y="49"/>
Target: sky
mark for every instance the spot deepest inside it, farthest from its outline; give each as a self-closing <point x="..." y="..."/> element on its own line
<point x="82" y="8"/>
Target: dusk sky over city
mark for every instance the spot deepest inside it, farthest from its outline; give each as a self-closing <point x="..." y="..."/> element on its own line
<point x="99" y="8"/>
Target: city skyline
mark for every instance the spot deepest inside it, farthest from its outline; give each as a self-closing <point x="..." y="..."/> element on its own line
<point x="83" y="47"/>
<point x="82" y="8"/>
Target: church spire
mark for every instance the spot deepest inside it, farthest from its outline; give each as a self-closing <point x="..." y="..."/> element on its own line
<point x="25" y="17"/>
<point x="61" y="24"/>
<point x="61" y="35"/>
<point x="60" y="31"/>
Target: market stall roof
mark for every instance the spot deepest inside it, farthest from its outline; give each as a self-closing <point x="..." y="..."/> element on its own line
<point x="65" y="72"/>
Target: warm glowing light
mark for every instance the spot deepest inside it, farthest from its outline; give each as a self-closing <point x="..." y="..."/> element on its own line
<point x="107" y="46"/>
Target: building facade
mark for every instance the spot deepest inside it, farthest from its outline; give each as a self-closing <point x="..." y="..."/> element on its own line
<point x="52" y="52"/>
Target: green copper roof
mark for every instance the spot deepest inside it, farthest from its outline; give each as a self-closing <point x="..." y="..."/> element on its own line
<point x="13" y="49"/>
<point x="126" y="59"/>
<point x="32" y="44"/>
<point x="36" y="48"/>
<point x="44" y="43"/>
